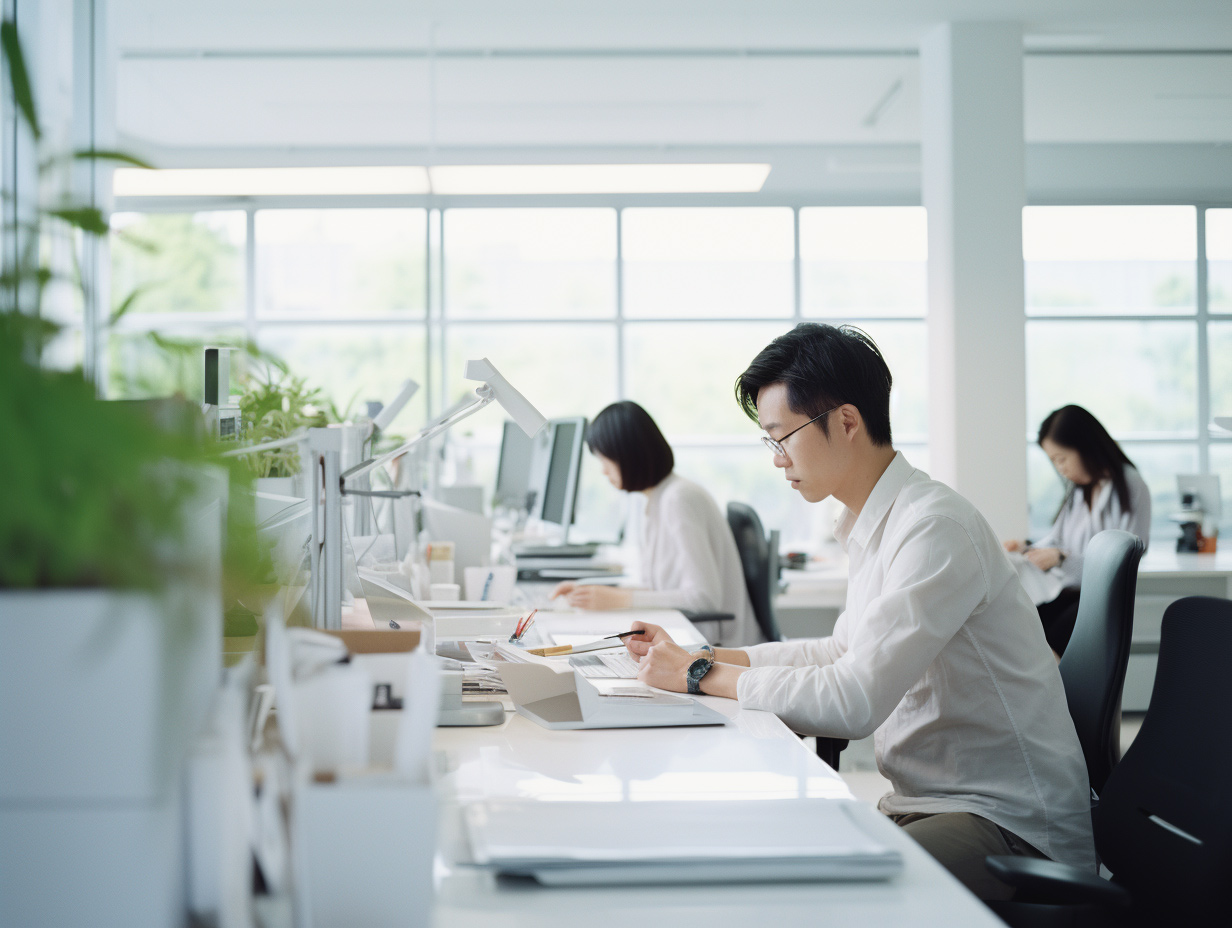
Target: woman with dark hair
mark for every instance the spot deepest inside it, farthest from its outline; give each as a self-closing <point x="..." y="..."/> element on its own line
<point x="1105" y="491"/>
<point x="688" y="555"/>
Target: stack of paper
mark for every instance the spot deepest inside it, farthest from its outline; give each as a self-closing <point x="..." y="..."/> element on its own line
<point x="570" y="843"/>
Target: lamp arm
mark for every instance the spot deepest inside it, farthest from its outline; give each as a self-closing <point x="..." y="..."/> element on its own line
<point x="296" y="438"/>
<point x="483" y="397"/>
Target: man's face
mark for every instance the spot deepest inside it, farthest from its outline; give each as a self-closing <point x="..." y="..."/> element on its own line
<point x="810" y="461"/>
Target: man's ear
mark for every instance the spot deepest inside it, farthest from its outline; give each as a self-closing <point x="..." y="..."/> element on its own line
<point x="851" y="422"/>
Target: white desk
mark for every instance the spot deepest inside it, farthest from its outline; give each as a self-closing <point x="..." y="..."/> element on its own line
<point x="755" y="756"/>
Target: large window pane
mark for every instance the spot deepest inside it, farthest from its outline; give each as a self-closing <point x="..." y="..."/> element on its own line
<point x="1087" y="260"/>
<point x="354" y="364"/>
<point x="1135" y="377"/>
<point x="1219" y="347"/>
<point x="708" y="262"/>
<point x="530" y="263"/>
<point x="340" y="262"/>
<point x="904" y="345"/>
<point x="1219" y="258"/>
<point x="684" y="373"/>
<point x="1159" y="463"/>
<point x="864" y="261"/>
<point x="179" y="262"/>
<point x="563" y="369"/>
<point x="144" y="365"/>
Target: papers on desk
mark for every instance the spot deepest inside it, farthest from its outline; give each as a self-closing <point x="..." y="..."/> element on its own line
<point x="766" y="840"/>
<point x="551" y="693"/>
<point x="1043" y="586"/>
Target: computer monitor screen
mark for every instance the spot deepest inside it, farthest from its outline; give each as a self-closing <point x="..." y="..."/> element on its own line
<point x="513" y="470"/>
<point x="564" y="467"/>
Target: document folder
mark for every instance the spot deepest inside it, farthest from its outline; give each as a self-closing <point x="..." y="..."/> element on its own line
<point x="562" y="699"/>
<point x="675" y="841"/>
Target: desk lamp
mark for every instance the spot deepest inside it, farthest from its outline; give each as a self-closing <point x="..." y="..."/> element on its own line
<point x="325" y="448"/>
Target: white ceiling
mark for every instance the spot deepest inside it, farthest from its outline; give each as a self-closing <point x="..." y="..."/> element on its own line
<point x="235" y="74"/>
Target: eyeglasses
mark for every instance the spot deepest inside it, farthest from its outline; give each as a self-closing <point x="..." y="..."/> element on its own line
<point x="776" y="445"/>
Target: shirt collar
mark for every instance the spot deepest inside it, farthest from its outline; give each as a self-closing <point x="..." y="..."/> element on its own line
<point x="859" y="529"/>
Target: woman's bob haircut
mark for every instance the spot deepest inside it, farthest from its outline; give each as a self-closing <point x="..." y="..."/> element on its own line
<point x="625" y="434"/>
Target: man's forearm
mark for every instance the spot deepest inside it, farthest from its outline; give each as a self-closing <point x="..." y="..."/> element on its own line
<point x="721" y="680"/>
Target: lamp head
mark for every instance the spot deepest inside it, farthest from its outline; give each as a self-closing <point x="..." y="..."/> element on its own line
<point x="528" y="418"/>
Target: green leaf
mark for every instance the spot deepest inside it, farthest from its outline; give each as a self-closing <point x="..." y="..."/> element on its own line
<point x="19" y="78"/>
<point x="87" y="218"/>
<point x="125" y="305"/>
<point x="95" y="154"/>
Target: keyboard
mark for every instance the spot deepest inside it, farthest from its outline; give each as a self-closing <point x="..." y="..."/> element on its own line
<point x="619" y="665"/>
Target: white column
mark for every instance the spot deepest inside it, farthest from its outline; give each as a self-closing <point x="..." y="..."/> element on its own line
<point x="974" y="190"/>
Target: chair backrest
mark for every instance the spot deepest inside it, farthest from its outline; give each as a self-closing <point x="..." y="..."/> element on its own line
<point x="759" y="556"/>
<point x="1093" y="667"/>
<point x="1163" y="825"/>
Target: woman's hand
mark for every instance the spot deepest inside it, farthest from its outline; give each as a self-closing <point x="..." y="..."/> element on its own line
<point x="1044" y="558"/>
<point x="1010" y="545"/>
<point x="595" y="598"/>
<point x="665" y="666"/>
<point x="563" y="589"/>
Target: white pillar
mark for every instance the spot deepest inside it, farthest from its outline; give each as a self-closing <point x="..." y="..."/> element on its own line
<point x="974" y="190"/>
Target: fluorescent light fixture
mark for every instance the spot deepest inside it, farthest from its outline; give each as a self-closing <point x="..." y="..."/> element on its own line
<point x="495" y="179"/>
<point x="252" y="182"/>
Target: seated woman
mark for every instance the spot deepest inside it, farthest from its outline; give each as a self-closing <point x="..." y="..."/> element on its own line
<point x="688" y="555"/>
<point x="1105" y="491"/>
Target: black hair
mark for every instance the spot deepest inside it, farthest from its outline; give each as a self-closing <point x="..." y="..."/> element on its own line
<point x="823" y="366"/>
<point x="1074" y="428"/>
<point x="626" y="434"/>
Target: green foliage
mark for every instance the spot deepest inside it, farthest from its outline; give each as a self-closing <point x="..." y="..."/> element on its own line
<point x="276" y="405"/>
<point x="179" y="265"/>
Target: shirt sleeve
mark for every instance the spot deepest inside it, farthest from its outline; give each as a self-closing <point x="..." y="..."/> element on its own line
<point x="696" y="583"/>
<point x="933" y="584"/>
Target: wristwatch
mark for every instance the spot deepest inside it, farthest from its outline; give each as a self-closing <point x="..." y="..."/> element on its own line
<point x="693" y="676"/>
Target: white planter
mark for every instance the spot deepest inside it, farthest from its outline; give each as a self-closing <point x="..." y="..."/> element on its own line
<point x="103" y="693"/>
<point x="279" y="486"/>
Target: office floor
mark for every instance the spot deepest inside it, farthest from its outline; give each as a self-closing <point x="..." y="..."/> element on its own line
<point x="858" y="766"/>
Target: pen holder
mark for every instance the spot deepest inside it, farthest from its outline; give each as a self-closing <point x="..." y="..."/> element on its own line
<point x="364" y="849"/>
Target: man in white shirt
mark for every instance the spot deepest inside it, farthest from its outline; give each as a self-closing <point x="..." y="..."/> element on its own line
<point x="939" y="653"/>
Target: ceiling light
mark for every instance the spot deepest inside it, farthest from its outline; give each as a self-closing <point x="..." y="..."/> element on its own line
<point x="252" y="182"/>
<point x="494" y="179"/>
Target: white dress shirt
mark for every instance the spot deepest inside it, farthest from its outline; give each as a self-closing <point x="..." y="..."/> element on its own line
<point x="689" y="559"/>
<point x="1076" y="525"/>
<point x="941" y="656"/>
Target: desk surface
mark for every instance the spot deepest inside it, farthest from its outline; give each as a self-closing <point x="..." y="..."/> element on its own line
<point x="755" y="756"/>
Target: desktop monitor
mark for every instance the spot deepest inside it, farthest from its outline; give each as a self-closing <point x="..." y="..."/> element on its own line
<point x="558" y="500"/>
<point x="514" y="469"/>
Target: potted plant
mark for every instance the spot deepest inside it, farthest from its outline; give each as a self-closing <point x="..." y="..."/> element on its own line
<point x="275" y="405"/>
<point x="111" y="539"/>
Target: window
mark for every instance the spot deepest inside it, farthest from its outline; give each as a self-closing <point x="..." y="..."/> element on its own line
<point x="1116" y="323"/>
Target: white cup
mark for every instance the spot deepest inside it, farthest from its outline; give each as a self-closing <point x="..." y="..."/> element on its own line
<point x="446" y="592"/>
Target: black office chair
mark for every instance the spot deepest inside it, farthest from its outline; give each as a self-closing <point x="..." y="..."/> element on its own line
<point x="759" y="556"/>
<point x="1094" y="663"/>
<point x="1163" y="824"/>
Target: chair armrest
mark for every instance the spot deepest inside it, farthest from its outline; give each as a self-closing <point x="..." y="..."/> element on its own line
<point x="708" y="616"/>
<point x="1048" y="882"/>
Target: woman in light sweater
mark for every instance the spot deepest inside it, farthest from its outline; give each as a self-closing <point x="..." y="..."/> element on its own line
<point x="1105" y="491"/>
<point x="689" y="559"/>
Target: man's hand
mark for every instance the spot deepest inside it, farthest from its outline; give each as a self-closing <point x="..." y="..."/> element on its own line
<point x="597" y="597"/>
<point x="563" y="589"/>
<point x="1044" y="558"/>
<point x="665" y="665"/>
<point x="639" y="645"/>
<point x="1010" y="545"/>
